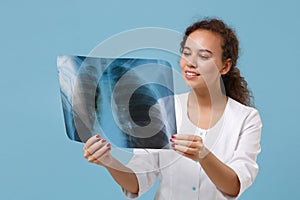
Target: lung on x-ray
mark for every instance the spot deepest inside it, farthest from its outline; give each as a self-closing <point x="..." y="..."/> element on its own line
<point x="128" y="101"/>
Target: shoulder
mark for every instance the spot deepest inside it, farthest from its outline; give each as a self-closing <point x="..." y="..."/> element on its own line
<point x="240" y="108"/>
<point x="243" y="112"/>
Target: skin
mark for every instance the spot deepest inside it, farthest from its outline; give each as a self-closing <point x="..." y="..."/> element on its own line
<point x="201" y="66"/>
<point x="97" y="151"/>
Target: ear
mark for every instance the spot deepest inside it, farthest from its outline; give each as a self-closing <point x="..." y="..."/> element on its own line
<point x="226" y="66"/>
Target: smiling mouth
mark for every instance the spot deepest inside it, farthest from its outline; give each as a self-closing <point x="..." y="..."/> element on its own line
<point x="191" y="74"/>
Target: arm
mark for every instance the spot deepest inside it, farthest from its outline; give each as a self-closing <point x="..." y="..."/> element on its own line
<point x="124" y="176"/>
<point x="242" y="166"/>
<point x="219" y="173"/>
<point x="97" y="152"/>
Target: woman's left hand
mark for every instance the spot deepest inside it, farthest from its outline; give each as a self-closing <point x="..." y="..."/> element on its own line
<point x="190" y="146"/>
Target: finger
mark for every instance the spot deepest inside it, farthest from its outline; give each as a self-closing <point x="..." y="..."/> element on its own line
<point x="185" y="149"/>
<point x="96" y="146"/>
<point x="187" y="143"/>
<point x="91" y="141"/>
<point x="86" y="154"/>
<point x="100" y="153"/>
<point x="180" y="148"/>
<point x="190" y="137"/>
<point x="101" y="161"/>
<point x="97" y="155"/>
<point x="185" y="154"/>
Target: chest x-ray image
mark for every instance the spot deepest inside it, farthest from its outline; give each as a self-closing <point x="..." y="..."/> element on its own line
<point x="128" y="101"/>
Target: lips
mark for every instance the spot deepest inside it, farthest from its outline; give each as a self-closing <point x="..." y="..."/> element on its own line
<point x="191" y="73"/>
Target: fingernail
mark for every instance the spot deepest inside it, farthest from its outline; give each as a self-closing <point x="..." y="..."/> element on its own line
<point x="173" y="145"/>
<point x="98" y="136"/>
<point x="171" y="140"/>
<point x="103" y="140"/>
<point x="173" y="136"/>
<point x="108" y="145"/>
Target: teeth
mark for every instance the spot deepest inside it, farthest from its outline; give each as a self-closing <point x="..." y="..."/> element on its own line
<point x="191" y="74"/>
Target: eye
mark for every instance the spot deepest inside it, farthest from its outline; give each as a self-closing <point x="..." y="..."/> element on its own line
<point x="186" y="53"/>
<point x="204" y="57"/>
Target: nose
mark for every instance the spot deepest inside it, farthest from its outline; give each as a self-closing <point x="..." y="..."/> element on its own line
<point x="190" y="65"/>
<point x="191" y="62"/>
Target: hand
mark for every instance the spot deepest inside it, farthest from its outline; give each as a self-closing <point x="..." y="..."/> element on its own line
<point x="96" y="151"/>
<point x="190" y="146"/>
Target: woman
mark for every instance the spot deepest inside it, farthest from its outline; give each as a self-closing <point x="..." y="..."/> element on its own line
<point x="218" y="137"/>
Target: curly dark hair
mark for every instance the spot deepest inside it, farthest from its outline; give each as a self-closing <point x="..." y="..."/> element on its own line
<point x="235" y="85"/>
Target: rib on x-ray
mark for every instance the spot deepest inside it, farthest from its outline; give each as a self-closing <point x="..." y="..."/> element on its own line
<point x="128" y="101"/>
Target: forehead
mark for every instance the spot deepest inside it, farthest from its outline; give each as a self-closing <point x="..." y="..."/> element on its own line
<point x="204" y="39"/>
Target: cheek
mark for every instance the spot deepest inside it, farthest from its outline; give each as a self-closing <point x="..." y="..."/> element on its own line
<point x="207" y="68"/>
<point x="182" y="62"/>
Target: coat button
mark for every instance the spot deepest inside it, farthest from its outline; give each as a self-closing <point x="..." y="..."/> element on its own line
<point x="194" y="188"/>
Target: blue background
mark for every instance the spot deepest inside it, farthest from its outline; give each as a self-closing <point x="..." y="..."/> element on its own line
<point x="39" y="162"/>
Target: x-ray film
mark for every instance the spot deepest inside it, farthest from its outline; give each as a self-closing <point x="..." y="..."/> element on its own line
<point x="128" y="101"/>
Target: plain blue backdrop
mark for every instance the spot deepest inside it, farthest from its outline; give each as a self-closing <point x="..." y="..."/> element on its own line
<point x="37" y="161"/>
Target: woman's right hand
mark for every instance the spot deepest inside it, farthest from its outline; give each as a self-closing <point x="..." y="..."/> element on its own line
<point x="97" y="151"/>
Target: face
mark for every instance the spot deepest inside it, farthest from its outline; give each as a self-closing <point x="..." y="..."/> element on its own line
<point x="201" y="60"/>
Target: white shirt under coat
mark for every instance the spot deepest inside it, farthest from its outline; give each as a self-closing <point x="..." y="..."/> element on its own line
<point x="234" y="139"/>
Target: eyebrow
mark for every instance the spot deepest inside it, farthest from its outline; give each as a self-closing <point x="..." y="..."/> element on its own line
<point x="201" y="50"/>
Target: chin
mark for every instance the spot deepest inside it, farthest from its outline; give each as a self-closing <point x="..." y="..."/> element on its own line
<point x="195" y="84"/>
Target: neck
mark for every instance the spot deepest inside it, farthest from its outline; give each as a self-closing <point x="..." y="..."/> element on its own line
<point x="205" y="107"/>
<point x="208" y="99"/>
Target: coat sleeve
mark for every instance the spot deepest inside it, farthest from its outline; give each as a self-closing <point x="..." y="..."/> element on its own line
<point x="144" y="164"/>
<point x="247" y="149"/>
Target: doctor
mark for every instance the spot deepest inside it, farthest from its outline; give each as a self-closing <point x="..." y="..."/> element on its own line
<point x="214" y="153"/>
